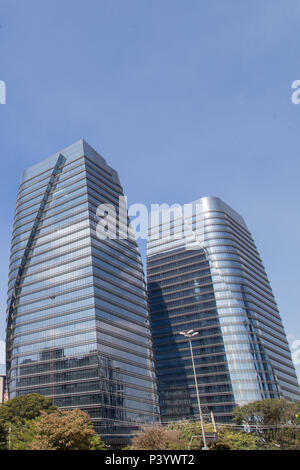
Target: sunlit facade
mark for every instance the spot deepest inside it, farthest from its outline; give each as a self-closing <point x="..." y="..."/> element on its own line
<point x="78" y="328"/>
<point x="2" y="388"/>
<point x="205" y="273"/>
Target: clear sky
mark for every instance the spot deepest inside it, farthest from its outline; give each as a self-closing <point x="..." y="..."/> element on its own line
<point x="184" y="98"/>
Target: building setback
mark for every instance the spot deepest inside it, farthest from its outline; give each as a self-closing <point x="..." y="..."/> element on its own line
<point x="78" y="328"/>
<point x="204" y="273"/>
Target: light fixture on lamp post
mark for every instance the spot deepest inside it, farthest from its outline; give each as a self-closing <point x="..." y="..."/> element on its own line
<point x="189" y="335"/>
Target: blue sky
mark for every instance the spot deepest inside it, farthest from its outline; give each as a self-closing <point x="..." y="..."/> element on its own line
<point x="184" y="99"/>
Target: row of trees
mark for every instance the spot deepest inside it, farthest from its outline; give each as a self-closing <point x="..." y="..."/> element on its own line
<point x="261" y="425"/>
<point x="31" y="422"/>
<point x="179" y="437"/>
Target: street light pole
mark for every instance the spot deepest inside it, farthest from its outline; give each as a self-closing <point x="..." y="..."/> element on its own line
<point x="190" y="334"/>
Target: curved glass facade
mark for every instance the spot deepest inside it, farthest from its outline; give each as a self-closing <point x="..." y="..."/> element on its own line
<point x="78" y="328"/>
<point x="205" y="274"/>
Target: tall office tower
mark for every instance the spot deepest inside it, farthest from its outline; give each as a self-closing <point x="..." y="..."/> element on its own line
<point x="78" y="327"/>
<point x="205" y="274"/>
<point x="2" y="388"/>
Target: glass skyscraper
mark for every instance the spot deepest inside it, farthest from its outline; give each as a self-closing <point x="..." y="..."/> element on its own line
<point x="204" y="273"/>
<point x="2" y="388"/>
<point x="77" y="323"/>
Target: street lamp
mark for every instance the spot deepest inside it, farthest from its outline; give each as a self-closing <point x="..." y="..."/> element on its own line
<point x="189" y="335"/>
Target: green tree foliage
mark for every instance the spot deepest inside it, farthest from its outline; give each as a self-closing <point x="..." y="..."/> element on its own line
<point x="65" y="430"/>
<point x="182" y="435"/>
<point x="285" y="438"/>
<point x="190" y="433"/>
<point x="22" y="434"/>
<point x="280" y="414"/>
<point x="226" y="438"/>
<point x="25" y="407"/>
<point x="267" y="412"/>
<point x="230" y="439"/>
<point x="175" y="436"/>
<point x="3" y="435"/>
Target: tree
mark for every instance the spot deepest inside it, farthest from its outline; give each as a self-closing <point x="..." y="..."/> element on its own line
<point x="229" y="439"/>
<point x="280" y="415"/>
<point x="267" y="412"/>
<point x="22" y="434"/>
<point x="190" y="432"/>
<point x="3" y="435"/>
<point x="157" y="438"/>
<point x="285" y="438"/>
<point x="65" y="430"/>
<point x="25" y="407"/>
<point x="178" y="436"/>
